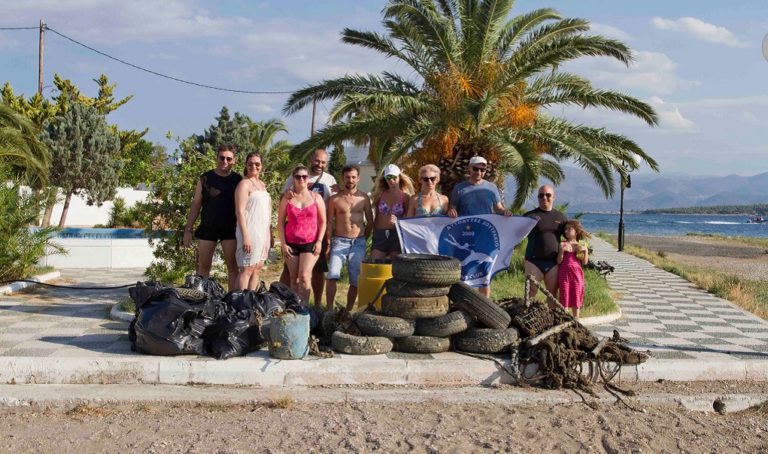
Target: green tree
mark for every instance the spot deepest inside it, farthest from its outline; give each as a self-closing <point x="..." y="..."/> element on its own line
<point x="20" y="148"/>
<point x="165" y="213"/>
<point x="228" y="130"/>
<point x="486" y="84"/>
<point x="41" y="111"/>
<point x="86" y="152"/>
<point x="337" y="160"/>
<point x="22" y="247"/>
<point x="141" y="162"/>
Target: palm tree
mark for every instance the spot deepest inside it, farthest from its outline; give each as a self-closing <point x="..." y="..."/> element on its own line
<point x="274" y="154"/>
<point x="20" y="148"/>
<point x="483" y="85"/>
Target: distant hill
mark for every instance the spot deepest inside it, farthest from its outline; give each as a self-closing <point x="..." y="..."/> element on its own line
<point x="652" y="191"/>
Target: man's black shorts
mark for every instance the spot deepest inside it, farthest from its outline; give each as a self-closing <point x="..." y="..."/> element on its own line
<point x="215" y="232"/>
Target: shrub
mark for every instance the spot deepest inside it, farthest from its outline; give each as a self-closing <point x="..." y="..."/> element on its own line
<point x="22" y="246"/>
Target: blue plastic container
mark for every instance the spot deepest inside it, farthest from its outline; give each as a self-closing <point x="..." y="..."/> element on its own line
<point x="289" y="336"/>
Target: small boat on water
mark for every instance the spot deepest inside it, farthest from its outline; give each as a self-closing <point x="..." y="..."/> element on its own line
<point x="756" y="220"/>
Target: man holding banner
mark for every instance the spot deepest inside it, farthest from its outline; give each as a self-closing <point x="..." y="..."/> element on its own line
<point x="473" y="232"/>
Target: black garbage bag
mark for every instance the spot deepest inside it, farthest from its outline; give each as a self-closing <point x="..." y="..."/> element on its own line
<point x="289" y="297"/>
<point x="168" y="326"/>
<point x="144" y="291"/>
<point x="234" y="334"/>
<point x="204" y="284"/>
<point x="266" y="303"/>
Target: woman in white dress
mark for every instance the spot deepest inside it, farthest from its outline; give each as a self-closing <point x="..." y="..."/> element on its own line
<point x="254" y="219"/>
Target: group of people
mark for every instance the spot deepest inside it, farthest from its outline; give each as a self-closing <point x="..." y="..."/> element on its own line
<point x="323" y="225"/>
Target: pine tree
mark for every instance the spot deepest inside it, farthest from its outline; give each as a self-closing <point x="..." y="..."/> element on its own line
<point x="85" y="155"/>
<point x="338" y="160"/>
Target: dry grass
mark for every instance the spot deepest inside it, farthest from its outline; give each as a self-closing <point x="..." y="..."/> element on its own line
<point x="748" y="294"/>
<point x="283" y="403"/>
<point x="88" y="410"/>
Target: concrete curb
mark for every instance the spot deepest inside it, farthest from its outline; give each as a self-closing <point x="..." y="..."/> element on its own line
<point x="258" y="369"/>
<point x="601" y="319"/>
<point x="57" y="396"/>
<point x="16" y="286"/>
<point x="120" y="316"/>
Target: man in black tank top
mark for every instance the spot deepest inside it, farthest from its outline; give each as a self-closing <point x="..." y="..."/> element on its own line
<point x="544" y="241"/>
<point x="214" y="201"/>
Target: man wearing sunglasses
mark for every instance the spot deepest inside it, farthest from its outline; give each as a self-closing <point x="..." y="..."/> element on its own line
<point x="476" y="196"/>
<point x="214" y="201"/>
<point x="544" y="241"/>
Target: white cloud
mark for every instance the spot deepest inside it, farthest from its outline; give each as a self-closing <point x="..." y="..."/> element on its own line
<point x="650" y="72"/>
<point x="670" y="117"/>
<point x="305" y="52"/>
<point x="700" y="30"/>
<point x="117" y="21"/>
<point x="610" y="31"/>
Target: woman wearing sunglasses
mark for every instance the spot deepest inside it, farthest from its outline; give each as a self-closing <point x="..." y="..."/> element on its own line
<point x="428" y="202"/>
<point x="214" y="202"/>
<point x="390" y="200"/>
<point x="254" y="224"/>
<point x="301" y="227"/>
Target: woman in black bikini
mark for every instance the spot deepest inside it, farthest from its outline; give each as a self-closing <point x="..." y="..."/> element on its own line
<point x="390" y="200"/>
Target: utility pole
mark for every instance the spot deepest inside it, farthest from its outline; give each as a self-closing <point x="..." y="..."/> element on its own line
<point x="41" y="45"/>
<point x="314" y="109"/>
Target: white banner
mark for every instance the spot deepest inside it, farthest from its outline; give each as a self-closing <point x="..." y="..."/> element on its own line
<point x="482" y="243"/>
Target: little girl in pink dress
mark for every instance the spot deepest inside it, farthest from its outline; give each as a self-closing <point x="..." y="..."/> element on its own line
<point x="572" y="255"/>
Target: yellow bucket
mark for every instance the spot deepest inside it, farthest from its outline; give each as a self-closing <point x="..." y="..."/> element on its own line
<point x="372" y="278"/>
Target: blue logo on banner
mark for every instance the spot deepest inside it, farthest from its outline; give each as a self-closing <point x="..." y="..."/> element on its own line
<point x="475" y="242"/>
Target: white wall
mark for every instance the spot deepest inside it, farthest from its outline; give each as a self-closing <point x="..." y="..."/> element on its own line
<point x="82" y="215"/>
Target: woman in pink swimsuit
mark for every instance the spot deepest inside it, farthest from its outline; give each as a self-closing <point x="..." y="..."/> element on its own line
<point x="390" y="201"/>
<point x="301" y="227"/>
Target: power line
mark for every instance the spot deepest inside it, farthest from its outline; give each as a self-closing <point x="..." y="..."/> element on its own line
<point x="140" y="68"/>
<point x="19" y="28"/>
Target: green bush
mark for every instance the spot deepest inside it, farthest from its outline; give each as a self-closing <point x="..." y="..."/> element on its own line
<point x="22" y="246"/>
<point x="123" y="216"/>
<point x="165" y="213"/>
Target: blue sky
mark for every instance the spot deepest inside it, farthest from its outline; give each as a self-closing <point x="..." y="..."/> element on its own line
<point x="698" y="62"/>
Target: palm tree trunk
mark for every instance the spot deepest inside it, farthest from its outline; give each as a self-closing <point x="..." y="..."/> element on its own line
<point x="64" y="211"/>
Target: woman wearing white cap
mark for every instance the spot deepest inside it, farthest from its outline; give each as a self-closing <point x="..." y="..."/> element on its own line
<point x="390" y="200"/>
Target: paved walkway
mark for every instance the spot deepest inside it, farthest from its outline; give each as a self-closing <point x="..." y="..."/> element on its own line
<point x="673" y="318"/>
<point x="691" y="335"/>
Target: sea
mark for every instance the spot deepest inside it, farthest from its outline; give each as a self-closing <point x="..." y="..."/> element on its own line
<point x="673" y="224"/>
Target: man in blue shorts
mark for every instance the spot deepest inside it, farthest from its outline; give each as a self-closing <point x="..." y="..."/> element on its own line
<point x="476" y="196"/>
<point x="350" y="222"/>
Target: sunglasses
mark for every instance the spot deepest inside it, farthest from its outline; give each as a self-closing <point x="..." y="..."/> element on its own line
<point x="479" y="169"/>
<point x="428" y="179"/>
<point x="226" y="159"/>
<point x="545" y="194"/>
<point x="301" y="177"/>
<point x="390" y="177"/>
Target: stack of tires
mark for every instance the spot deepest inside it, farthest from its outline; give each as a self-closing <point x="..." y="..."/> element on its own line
<point x="425" y="306"/>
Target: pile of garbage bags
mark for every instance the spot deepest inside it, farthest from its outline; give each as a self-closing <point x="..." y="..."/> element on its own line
<point x="199" y="318"/>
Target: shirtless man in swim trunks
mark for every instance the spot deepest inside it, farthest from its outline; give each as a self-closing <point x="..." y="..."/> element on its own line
<point x="544" y="241"/>
<point x="350" y="222"/>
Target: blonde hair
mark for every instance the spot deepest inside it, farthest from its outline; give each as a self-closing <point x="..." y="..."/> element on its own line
<point x="429" y="168"/>
<point x="381" y="186"/>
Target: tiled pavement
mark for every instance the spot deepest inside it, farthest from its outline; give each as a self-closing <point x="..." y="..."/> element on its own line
<point x="673" y="319"/>
<point x="53" y="322"/>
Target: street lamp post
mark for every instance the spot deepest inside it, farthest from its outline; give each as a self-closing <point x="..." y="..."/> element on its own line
<point x="625" y="183"/>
